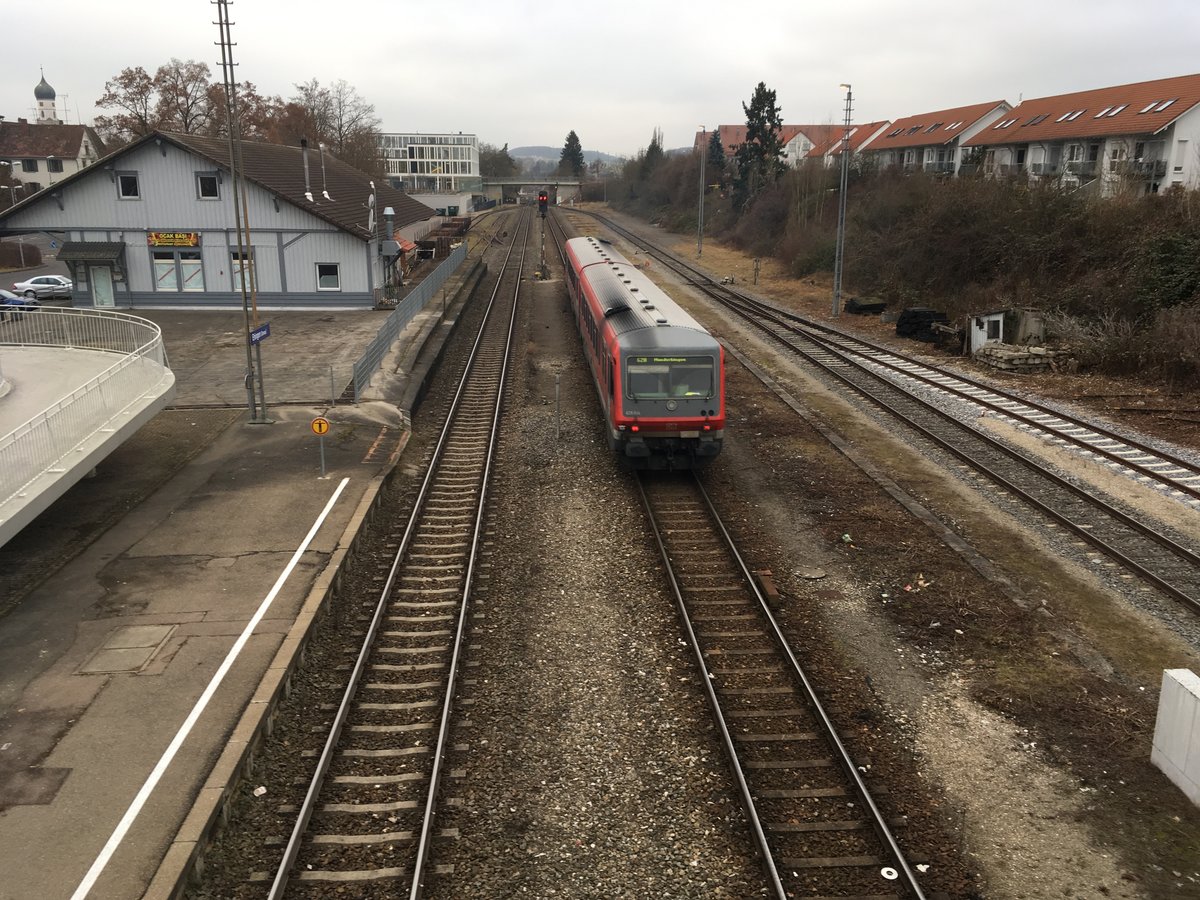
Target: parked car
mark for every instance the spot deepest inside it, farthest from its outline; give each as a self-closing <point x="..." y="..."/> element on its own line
<point x="14" y="306"/>
<point x="44" y="286"/>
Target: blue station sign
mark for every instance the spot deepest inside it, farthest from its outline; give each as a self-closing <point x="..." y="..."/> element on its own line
<point x="261" y="333"/>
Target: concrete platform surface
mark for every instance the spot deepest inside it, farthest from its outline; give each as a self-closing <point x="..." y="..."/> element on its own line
<point x="119" y="604"/>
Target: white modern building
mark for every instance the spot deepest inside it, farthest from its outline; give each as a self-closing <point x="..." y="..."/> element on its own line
<point x="440" y="170"/>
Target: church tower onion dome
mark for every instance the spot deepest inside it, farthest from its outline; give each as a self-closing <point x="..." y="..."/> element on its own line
<point x="43" y="91"/>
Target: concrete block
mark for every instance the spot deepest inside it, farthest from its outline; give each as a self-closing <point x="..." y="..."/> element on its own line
<point x="1176" y="750"/>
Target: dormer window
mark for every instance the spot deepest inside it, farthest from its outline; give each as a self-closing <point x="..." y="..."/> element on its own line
<point x="1102" y="113"/>
<point x="1117" y="109"/>
<point x="1165" y="104"/>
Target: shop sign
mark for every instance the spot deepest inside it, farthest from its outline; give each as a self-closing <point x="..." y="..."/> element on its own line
<point x="173" y="238"/>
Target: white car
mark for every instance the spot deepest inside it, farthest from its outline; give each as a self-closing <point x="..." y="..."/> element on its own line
<point x="45" y="286"/>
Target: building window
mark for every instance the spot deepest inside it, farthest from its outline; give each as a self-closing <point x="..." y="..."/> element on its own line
<point x="235" y="268"/>
<point x="208" y="186"/>
<point x="29" y="165"/>
<point x="166" y="278"/>
<point x="54" y="165"/>
<point x="178" y="270"/>
<point x="328" y="278"/>
<point x="127" y="186"/>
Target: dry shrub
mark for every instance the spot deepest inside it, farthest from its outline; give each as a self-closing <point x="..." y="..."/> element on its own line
<point x="1164" y="348"/>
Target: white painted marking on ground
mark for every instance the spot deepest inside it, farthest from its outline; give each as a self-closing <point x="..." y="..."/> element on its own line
<point x="135" y="808"/>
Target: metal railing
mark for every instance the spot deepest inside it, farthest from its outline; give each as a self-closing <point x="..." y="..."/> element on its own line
<point x="414" y="301"/>
<point x="138" y="363"/>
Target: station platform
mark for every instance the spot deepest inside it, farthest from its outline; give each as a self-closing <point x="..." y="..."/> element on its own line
<point x="122" y="605"/>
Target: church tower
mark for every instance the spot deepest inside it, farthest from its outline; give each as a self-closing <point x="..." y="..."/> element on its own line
<point x="47" y="113"/>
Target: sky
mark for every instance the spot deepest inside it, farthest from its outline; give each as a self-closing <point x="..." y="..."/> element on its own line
<point x="523" y="73"/>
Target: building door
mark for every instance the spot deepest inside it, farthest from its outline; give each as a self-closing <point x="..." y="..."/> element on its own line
<point x="102" y="285"/>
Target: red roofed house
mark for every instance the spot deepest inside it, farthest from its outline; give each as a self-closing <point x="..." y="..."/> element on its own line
<point x="35" y="155"/>
<point x="798" y="140"/>
<point x="932" y="141"/>
<point x="1135" y="137"/>
<point x="861" y="136"/>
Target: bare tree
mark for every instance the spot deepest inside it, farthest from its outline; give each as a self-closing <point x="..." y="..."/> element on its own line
<point x="339" y="117"/>
<point x="256" y="113"/>
<point x="131" y="94"/>
<point x="183" y="96"/>
<point x="350" y="116"/>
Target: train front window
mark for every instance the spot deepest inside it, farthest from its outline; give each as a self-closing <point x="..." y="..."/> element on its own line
<point x="657" y="377"/>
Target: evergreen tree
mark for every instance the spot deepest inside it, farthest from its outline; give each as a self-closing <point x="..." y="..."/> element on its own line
<point x="716" y="156"/>
<point x="760" y="159"/>
<point x="571" y="162"/>
<point x="654" y="154"/>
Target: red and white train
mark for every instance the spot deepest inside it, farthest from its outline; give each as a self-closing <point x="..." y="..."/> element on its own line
<point x="659" y="374"/>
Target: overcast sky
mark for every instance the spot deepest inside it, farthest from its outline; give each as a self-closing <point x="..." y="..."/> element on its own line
<point x="523" y="73"/>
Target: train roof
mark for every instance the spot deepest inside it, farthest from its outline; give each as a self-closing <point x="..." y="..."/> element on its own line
<point x="633" y="303"/>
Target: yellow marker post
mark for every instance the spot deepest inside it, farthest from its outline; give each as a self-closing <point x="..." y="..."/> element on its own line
<point x="320" y="427"/>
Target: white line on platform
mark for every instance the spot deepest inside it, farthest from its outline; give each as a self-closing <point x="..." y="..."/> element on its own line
<point x="118" y="835"/>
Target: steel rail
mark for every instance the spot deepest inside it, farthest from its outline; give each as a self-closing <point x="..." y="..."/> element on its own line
<point x="739" y="775"/>
<point x="418" y="875"/>
<point x="977" y="393"/>
<point x="849" y="768"/>
<point x="721" y="293"/>
<point x="304" y="816"/>
<point x="854" y="359"/>
<point x="1187" y="555"/>
<point x="904" y="871"/>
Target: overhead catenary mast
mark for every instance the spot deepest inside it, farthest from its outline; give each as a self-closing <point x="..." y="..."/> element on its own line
<point x="257" y="405"/>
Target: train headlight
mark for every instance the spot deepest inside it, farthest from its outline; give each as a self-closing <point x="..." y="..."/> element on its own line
<point x="671" y="405"/>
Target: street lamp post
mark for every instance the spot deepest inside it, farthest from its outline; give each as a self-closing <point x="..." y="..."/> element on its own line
<point x="12" y="196"/>
<point x="700" y="217"/>
<point x="841" y="226"/>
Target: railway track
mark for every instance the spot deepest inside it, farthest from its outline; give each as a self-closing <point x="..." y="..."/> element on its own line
<point x="368" y="820"/>
<point x="818" y="829"/>
<point x="917" y="394"/>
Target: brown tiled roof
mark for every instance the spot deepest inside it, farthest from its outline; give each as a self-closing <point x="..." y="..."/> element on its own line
<point x="30" y="140"/>
<point x="858" y="136"/>
<point x="932" y="128"/>
<point x="732" y="136"/>
<point x="1142" y="108"/>
<point x="280" y="170"/>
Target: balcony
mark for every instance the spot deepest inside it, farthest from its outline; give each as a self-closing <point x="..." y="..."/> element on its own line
<point x="1045" y="168"/>
<point x="939" y="168"/>
<point x="1147" y="168"/>
<point x="1082" y="168"/>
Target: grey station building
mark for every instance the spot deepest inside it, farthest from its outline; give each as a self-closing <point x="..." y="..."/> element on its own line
<point x="153" y="225"/>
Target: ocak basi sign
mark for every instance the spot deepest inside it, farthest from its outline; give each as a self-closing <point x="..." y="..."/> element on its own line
<point x="173" y="238"/>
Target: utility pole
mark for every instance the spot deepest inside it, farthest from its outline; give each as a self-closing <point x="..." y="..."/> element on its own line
<point x="700" y="222"/>
<point x="245" y="253"/>
<point x="841" y="225"/>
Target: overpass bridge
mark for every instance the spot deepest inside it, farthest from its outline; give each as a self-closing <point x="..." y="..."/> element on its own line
<point x="523" y="189"/>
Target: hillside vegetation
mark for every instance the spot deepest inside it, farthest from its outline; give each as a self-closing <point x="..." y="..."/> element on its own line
<point x="1118" y="279"/>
